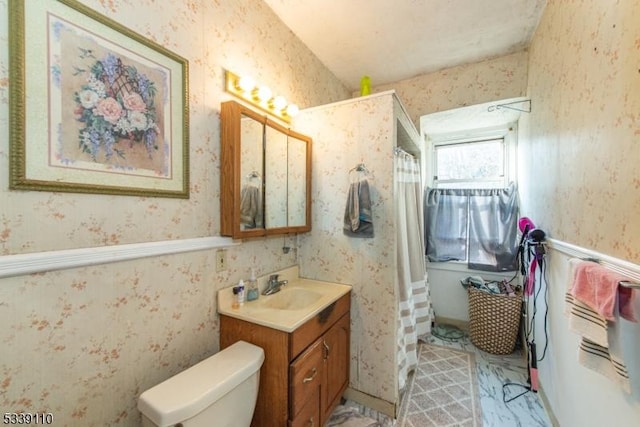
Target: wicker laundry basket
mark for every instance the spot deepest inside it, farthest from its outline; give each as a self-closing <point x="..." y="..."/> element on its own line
<point x="494" y="320"/>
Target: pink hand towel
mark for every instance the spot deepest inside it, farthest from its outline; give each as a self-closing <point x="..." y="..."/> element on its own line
<point x="598" y="287"/>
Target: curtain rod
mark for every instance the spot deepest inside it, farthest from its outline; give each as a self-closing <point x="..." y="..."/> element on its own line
<point x="508" y="105"/>
<point x="399" y="150"/>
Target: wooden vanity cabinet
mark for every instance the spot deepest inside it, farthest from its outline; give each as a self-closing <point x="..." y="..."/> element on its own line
<point x="305" y="372"/>
<point x="336" y="346"/>
<point x="305" y="386"/>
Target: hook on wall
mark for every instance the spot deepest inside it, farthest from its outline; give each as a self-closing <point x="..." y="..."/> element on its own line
<point x="360" y="167"/>
<point x="359" y="172"/>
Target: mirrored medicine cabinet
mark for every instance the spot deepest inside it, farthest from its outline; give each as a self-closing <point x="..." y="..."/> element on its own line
<point x="265" y="184"/>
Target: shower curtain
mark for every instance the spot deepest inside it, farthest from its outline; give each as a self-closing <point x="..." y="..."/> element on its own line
<point x="415" y="308"/>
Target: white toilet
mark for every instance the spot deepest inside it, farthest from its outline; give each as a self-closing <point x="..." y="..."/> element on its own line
<point x="220" y="391"/>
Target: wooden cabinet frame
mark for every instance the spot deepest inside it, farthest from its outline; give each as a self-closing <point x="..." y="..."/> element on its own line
<point x="231" y="175"/>
<point x="324" y="339"/>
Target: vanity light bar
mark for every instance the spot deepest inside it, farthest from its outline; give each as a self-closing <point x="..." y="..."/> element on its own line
<point x="246" y="89"/>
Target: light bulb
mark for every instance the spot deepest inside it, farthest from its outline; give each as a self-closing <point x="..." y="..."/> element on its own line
<point x="292" y="110"/>
<point x="278" y="103"/>
<point x="246" y="84"/>
<point x="264" y="93"/>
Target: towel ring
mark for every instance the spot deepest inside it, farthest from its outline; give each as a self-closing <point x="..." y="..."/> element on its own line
<point x="360" y="170"/>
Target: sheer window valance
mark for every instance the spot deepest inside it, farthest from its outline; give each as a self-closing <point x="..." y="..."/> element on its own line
<point x="473" y="225"/>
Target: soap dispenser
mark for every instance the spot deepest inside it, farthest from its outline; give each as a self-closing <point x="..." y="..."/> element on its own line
<point x="252" y="287"/>
<point x="238" y="295"/>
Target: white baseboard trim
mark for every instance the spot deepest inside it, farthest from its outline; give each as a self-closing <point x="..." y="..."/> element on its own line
<point x="38" y="262"/>
<point x="461" y="324"/>
<point x="547" y="407"/>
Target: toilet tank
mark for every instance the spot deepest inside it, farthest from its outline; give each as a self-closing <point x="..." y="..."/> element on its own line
<point x="219" y="391"/>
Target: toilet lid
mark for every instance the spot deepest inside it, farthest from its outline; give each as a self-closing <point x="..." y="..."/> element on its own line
<point x="191" y="391"/>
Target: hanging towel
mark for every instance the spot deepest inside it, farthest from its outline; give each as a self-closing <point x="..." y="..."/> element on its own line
<point x="602" y="360"/>
<point x="585" y="321"/>
<point x="600" y="346"/>
<point x="358" y="220"/>
<point x="598" y="287"/>
<point x="251" y="207"/>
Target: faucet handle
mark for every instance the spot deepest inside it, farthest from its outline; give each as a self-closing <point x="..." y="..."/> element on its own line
<point x="273" y="277"/>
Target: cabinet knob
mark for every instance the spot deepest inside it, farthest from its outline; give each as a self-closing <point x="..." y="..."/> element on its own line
<point x="311" y="422"/>
<point x="305" y="380"/>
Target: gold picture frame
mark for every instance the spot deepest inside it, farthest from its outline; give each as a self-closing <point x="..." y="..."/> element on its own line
<point x="94" y="107"/>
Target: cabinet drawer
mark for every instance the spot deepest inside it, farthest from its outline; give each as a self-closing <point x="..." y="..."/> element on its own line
<point x="309" y="415"/>
<point x="306" y="375"/>
<point x="311" y="330"/>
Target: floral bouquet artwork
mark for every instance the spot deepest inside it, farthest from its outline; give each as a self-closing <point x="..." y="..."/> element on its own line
<point x="94" y="106"/>
<point x="115" y="105"/>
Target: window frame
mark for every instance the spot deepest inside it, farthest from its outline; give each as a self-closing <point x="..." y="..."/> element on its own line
<point x="507" y="132"/>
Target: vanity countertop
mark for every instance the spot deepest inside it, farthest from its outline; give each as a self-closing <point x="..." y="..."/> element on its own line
<point x="298" y="301"/>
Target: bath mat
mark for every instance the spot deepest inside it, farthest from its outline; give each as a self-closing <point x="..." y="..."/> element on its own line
<point x="443" y="390"/>
<point x="346" y="416"/>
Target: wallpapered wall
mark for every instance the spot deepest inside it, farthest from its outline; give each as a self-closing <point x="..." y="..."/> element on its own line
<point x="580" y="159"/>
<point x="491" y="80"/>
<point x="84" y="343"/>
<point x="579" y="178"/>
<point x="346" y="134"/>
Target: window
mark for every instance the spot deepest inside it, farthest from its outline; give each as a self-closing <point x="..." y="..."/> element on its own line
<point x="475" y="164"/>
<point x="472" y="208"/>
<point x="480" y="158"/>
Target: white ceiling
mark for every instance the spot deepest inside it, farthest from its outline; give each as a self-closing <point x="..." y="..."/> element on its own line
<point x="392" y="40"/>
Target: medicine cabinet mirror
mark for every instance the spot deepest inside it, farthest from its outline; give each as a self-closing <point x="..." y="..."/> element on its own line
<point x="265" y="175"/>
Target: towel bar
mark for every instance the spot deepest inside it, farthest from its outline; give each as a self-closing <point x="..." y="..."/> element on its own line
<point x="630" y="285"/>
<point x="623" y="283"/>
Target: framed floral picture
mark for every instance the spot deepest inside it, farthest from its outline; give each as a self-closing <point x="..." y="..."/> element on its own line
<point x="94" y="106"/>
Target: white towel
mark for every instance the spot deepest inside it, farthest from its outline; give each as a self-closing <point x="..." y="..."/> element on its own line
<point x="585" y="321"/>
<point x="600" y="347"/>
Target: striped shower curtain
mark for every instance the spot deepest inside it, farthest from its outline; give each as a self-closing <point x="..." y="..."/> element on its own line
<point x="415" y="309"/>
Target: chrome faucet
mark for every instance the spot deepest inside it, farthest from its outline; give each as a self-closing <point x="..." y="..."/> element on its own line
<point x="274" y="285"/>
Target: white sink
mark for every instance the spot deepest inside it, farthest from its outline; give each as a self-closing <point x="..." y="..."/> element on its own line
<point x="291" y="299"/>
<point x="297" y="302"/>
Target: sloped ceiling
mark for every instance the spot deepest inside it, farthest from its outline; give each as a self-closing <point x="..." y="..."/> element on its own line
<point x="399" y="39"/>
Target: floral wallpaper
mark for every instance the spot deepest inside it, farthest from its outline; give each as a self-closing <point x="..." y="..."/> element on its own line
<point x="580" y="151"/>
<point x="491" y="80"/>
<point x="580" y="182"/>
<point x="83" y="343"/>
<point x="346" y="134"/>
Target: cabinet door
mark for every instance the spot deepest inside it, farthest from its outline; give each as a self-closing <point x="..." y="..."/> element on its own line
<point x="276" y="169"/>
<point x="298" y="182"/>
<point x="309" y="415"/>
<point x="306" y="375"/>
<point x="265" y="175"/>
<point x="251" y="173"/>
<point x="241" y="172"/>
<point x="335" y="344"/>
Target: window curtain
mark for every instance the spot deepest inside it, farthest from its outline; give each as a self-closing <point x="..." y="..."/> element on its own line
<point x="476" y="225"/>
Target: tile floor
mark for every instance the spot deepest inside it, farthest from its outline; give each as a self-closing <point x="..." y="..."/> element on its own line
<point x="493" y="372"/>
